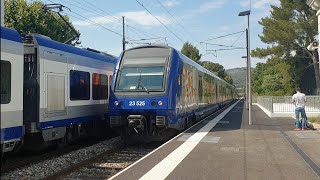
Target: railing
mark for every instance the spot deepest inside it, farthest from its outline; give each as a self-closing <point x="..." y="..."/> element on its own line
<point x="282" y="104"/>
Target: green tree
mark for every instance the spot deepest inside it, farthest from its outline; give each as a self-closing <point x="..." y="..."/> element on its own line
<point x="218" y="70"/>
<point x="228" y="79"/>
<point x="288" y="30"/>
<point x="28" y="17"/>
<point x="191" y="52"/>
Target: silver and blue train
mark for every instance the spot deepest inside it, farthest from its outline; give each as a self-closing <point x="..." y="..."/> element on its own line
<point x="157" y="90"/>
<point x="50" y="92"/>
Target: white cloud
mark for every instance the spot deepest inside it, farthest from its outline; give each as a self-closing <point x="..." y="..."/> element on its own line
<point x="137" y="17"/>
<point x="145" y="19"/>
<point x="208" y="6"/>
<point x="204" y="8"/>
<point x="171" y="3"/>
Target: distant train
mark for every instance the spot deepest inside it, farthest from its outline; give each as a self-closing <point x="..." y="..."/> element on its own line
<point x="50" y="91"/>
<point x="156" y="89"/>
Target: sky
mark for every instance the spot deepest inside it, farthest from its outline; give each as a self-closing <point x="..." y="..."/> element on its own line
<point x="172" y="22"/>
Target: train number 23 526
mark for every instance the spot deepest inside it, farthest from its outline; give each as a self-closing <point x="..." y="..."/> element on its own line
<point x="137" y="103"/>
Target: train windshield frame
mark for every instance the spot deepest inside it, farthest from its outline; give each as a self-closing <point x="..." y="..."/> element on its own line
<point x="142" y="74"/>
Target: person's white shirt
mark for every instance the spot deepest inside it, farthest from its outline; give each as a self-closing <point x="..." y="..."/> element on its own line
<point x="299" y="99"/>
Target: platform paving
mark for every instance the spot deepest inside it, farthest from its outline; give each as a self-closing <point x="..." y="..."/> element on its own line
<point x="232" y="149"/>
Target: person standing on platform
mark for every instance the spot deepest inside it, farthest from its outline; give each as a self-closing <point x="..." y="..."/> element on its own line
<point x="299" y="100"/>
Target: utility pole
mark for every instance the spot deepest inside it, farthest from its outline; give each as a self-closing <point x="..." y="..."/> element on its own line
<point x="123" y="35"/>
<point x="249" y="96"/>
<point x="249" y="74"/>
<point x="2" y="12"/>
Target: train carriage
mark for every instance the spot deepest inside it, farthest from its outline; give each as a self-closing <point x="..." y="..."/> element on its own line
<point x="58" y="91"/>
<point x="11" y="89"/>
<point x="157" y="89"/>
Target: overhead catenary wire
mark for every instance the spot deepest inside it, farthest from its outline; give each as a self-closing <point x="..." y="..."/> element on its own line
<point x="218" y="37"/>
<point x="226" y="49"/>
<point x="92" y="22"/>
<point x="180" y="24"/>
<point x="119" y="20"/>
<point x="221" y="45"/>
<point x="237" y="38"/>
<point x="106" y="15"/>
<point x="160" y="21"/>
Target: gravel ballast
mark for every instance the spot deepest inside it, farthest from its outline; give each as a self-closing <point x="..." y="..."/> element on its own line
<point x="52" y="166"/>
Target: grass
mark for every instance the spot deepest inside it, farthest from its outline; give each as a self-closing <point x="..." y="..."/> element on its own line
<point x="314" y="120"/>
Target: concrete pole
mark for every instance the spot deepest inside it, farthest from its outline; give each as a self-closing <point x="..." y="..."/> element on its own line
<point x="247" y="69"/>
<point x="123" y="35"/>
<point x="318" y="14"/>
<point x="249" y="73"/>
<point x="2" y="12"/>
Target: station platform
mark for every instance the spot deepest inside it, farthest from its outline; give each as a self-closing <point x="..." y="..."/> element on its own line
<point x="225" y="146"/>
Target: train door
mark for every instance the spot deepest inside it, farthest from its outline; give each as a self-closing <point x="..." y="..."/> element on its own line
<point x="54" y="83"/>
<point x="55" y="94"/>
<point x="53" y="91"/>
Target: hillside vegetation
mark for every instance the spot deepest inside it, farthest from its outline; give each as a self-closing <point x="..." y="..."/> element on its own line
<point x="238" y="76"/>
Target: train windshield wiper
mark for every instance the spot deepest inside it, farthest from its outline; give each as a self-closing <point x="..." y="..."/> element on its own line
<point x="141" y="85"/>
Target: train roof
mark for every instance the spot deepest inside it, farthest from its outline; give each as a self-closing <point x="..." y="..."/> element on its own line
<point x="47" y="42"/>
<point x="150" y="46"/>
<point x="185" y="58"/>
<point x="10" y="34"/>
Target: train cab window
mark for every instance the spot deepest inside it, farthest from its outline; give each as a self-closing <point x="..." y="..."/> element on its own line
<point x="99" y="86"/>
<point x="5" y="82"/>
<point x="141" y="78"/>
<point x="79" y="85"/>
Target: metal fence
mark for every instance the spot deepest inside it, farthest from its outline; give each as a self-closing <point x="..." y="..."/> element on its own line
<point x="282" y="104"/>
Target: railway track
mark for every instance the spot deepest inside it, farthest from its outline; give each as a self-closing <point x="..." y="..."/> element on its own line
<point x="24" y="158"/>
<point x="15" y="160"/>
<point x="107" y="164"/>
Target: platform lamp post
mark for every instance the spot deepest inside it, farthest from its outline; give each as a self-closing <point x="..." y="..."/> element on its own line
<point x="249" y="97"/>
<point x="246" y="84"/>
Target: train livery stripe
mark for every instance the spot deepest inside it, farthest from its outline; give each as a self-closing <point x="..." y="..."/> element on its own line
<point x="42" y="41"/>
<point x="10" y="34"/>
<point x="67" y="122"/>
<point x="11" y="133"/>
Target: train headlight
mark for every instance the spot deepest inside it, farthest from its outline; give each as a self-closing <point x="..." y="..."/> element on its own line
<point x="153" y="103"/>
<point x="160" y="103"/>
<point x="116" y="103"/>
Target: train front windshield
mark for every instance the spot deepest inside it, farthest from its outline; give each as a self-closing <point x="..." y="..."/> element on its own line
<point x="142" y="74"/>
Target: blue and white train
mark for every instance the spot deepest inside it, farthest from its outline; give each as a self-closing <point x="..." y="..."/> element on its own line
<point x="156" y="89"/>
<point x="50" y="91"/>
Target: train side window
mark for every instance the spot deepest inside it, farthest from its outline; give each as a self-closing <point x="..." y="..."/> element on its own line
<point x="99" y="86"/>
<point x="5" y="82"/>
<point x="79" y="85"/>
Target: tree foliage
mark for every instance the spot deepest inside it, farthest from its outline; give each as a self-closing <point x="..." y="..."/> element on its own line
<point x="28" y="17"/>
<point x="218" y="70"/>
<point x="191" y="51"/>
<point x="288" y="30"/>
